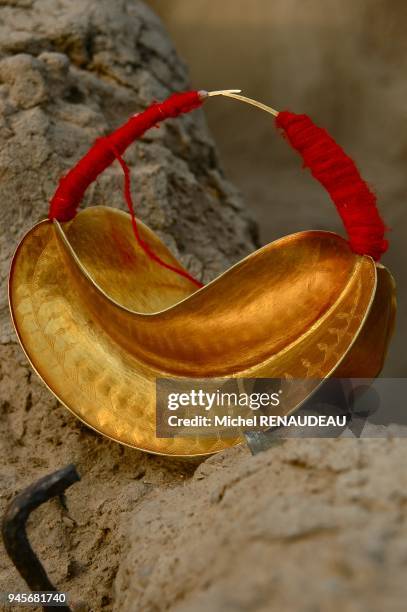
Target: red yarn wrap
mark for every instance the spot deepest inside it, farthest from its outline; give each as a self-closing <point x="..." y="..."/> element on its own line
<point x="72" y="187"/>
<point x="328" y="163"/>
<point x="337" y="172"/>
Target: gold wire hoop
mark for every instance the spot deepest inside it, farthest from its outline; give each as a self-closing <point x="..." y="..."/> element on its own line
<point x="235" y="93"/>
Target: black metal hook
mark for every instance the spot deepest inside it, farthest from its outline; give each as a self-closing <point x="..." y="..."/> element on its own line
<point x="14" y="527"/>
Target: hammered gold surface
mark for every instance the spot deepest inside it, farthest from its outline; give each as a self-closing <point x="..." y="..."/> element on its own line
<point x="366" y="357"/>
<point x="99" y="321"/>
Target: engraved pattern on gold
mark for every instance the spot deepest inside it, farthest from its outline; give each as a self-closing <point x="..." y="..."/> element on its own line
<point x="99" y="321"/>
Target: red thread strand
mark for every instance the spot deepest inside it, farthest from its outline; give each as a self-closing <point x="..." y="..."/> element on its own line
<point x="144" y="245"/>
<point x="337" y="172"/>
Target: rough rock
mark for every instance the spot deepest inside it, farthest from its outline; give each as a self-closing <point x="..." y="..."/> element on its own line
<point x="306" y="526"/>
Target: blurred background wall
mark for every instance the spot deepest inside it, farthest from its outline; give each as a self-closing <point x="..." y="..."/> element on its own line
<point x="345" y="64"/>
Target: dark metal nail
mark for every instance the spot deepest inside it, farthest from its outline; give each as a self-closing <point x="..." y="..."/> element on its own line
<point x="14" y="527"/>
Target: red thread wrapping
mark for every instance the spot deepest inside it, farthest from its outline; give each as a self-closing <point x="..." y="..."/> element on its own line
<point x="336" y="171"/>
<point x="72" y="187"/>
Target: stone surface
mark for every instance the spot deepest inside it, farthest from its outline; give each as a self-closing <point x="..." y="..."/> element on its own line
<point x="307" y="526"/>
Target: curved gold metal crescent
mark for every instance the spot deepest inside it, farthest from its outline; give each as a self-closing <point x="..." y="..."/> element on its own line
<point x="100" y="321"/>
